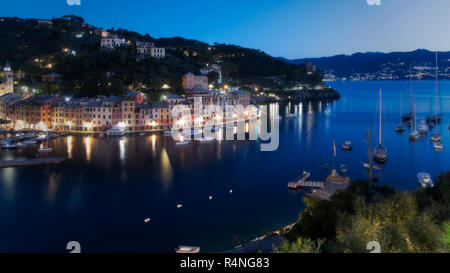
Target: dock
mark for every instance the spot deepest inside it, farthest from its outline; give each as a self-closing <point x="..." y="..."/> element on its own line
<point x="301" y="183"/>
<point x="31" y="162"/>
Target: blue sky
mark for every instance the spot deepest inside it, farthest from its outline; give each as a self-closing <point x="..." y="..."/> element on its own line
<point x="287" y="28"/>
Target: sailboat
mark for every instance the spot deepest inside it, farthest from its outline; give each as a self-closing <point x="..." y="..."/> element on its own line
<point x="410" y="115"/>
<point x="423" y="128"/>
<point x="380" y="153"/>
<point x="436" y="137"/>
<point x="414" y="134"/>
<point x="400" y="128"/>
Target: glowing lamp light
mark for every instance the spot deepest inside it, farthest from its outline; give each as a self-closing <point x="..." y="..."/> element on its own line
<point x="165" y="86"/>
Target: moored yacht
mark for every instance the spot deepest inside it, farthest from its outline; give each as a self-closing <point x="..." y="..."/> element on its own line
<point x="414" y="134"/>
<point x="380" y="153"/>
<point x="436" y="137"/>
<point x="438" y="146"/>
<point x="425" y="180"/>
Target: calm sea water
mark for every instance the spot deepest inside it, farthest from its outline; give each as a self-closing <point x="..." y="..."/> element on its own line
<point x="101" y="195"/>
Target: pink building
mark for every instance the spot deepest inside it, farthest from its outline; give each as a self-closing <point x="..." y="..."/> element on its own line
<point x="193" y="82"/>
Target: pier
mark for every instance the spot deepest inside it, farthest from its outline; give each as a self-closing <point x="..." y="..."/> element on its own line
<point x="31" y="162"/>
<point x="301" y="183"/>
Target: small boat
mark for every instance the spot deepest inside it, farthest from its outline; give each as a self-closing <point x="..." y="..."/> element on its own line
<point x="414" y="134"/>
<point x="29" y="142"/>
<point x="425" y="180"/>
<point x="436" y="137"/>
<point x="9" y="146"/>
<point x="344" y="169"/>
<point x="292" y="115"/>
<point x="101" y="135"/>
<point x="182" y="141"/>
<point x="407" y="117"/>
<point x="347" y="146"/>
<point x="423" y="128"/>
<point x="4" y="142"/>
<point x="187" y="249"/>
<point x="46" y="150"/>
<point x="167" y="133"/>
<point x="437" y="146"/>
<point x="326" y="166"/>
<point x="116" y="131"/>
<point x="207" y="138"/>
<point x="142" y="134"/>
<point x="147" y="220"/>
<point x="435" y="118"/>
<point x="179" y="206"/>
<point x="400" y="128"/>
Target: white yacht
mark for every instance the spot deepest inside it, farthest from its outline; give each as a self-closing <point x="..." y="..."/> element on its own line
<point x="187" y="249"/>
<point x="423" y="128"/>
<point x="116" y="131"/>
<point x="425" y="180"/>
<point x="414" y="134"/>
<point x="45" y="150"/>
<point x="9" y="146"/>
<point x="438" y="146"/>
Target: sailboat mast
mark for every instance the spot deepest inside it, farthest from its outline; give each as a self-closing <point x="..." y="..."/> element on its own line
<point x="401" y="105"/>
<point x="380" y="116"/>
<point x="436" y="89"/>
<point x="410" y="90"/>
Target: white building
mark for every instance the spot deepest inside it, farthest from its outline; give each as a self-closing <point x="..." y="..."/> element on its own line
<point x="7" y="83"/>
<point x="145" y="49"/>
<point x="112" y="42"/>
<point x="212" y="68"/>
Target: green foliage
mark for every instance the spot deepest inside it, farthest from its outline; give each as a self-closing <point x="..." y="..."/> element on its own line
<point x="446" y="237"/>
<point x="412" y="222"/>
<point x="301" y="245"/>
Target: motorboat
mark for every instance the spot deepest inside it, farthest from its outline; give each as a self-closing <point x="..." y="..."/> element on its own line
<point x="45" y="150"/>
<point x="187" y="249"/>
<point x="425" y="180"/>
<point x="423" y="128"/>
<point x="344" y="169"/>
<point x="438" y="146"/>
<point x="9" y="146"/>
<point x="116" y="131"/>
<point x="347" y="146"/>
<point x="182" y="141"/>
<point x="436" y="137"/>
<point x="292" y="115"/>
<point x="400" y="128"/>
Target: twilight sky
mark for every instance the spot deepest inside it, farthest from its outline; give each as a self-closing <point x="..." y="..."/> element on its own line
<point x="287" y="28"/>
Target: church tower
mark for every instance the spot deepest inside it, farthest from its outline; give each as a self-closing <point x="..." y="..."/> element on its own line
<point x="7" y="85"/>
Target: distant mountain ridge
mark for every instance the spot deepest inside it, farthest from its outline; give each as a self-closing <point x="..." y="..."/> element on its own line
<point x="373" y="62"/>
